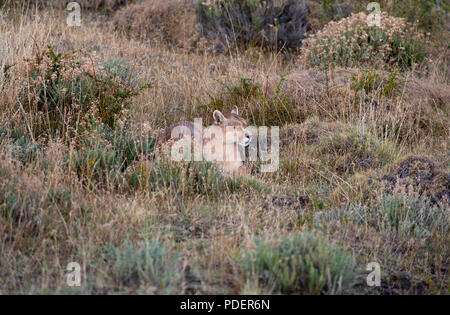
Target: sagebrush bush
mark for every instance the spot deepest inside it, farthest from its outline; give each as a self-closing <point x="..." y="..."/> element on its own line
<point x="351" y="42"/>
<point x="185" y="178"/>
<point x="348" y="152"/>
<point x="429" y="15"/>
<point x="188" y="178"/>
<point x="303" y="263"/>
<point x="370" y="81"/>
<point x="275" y="23"/>
<point x="22" y="148"/>
<point x="105" y="154"/>
<point x="61" y="92"/>
<point x="154" y="267"/>
<point x="413" y="217"/>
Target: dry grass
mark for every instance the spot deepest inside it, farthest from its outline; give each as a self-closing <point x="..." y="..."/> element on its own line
<point x="170" y="22"/>
<point x="97" y="5"/>
<point x="103" y="197"/>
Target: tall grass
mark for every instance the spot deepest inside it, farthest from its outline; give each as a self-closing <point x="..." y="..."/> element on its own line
<point x="88" y="184"/>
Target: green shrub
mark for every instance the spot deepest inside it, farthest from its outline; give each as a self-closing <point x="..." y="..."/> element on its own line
<point x="401" y="214"/>
<point x="351" y="151"/>
<point x="120" y="68"/>
<point x="193" y="177"/>
<point x="183" y="178"/>
<point x="371" y="81"/>
<point x="261" y="107"/>
<point x="428" y="14"/>
<point x="188" y="178"/>
<point x="22" y="148"/>
<point x="242" y="22"/>
<point x="299" y="263"/>
<point x="22" y="205"/>
<point x="151" y="265"/>
<point x="105" y="154"/>
<point x="413" y="217"/>
<point x="351" y="42"/>
<point x="63" y="91"/>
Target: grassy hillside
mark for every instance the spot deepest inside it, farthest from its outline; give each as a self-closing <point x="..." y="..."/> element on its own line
<point x="364" y="172"/>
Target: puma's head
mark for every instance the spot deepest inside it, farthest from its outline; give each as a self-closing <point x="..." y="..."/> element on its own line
<point x="234" y="127"/>
<point x="220" y="141"/>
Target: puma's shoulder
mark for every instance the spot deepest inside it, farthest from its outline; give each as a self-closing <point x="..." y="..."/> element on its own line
<point x="177" y="130"/>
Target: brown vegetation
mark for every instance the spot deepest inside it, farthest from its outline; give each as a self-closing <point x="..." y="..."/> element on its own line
<point x="364" y="160"/>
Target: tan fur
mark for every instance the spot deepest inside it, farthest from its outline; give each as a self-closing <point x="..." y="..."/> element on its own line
<point x="227" y="147"/>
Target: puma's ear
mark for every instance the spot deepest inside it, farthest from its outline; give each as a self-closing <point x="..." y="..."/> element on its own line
<point x="235" y="110"/>
<point x="218" y="117"/>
